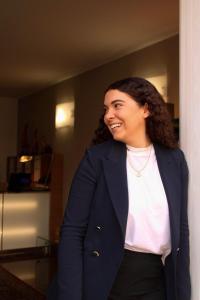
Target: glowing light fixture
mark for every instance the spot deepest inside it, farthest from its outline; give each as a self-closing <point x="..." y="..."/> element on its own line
<point x="160" y="82"/>
<point x="25" y="158"/>
<point x="64" y="114"/>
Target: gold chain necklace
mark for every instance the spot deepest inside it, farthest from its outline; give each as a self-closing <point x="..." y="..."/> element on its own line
<point x="138" y="173"/>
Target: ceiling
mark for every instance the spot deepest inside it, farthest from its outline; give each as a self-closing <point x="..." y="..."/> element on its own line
<point x="44" y="42"/>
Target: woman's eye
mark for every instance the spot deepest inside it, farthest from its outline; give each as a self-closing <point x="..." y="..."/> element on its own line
<point x="117" y="105"/>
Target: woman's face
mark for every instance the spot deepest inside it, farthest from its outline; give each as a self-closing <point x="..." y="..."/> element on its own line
<point x="124" y="117"/>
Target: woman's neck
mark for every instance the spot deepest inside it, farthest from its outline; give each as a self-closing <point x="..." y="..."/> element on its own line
<point x="139" y="143"/>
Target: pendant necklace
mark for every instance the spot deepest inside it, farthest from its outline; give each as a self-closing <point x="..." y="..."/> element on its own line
<point x="138" y="173"/>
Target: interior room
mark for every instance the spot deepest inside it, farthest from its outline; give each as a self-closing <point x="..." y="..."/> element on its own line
<point x="57" y="58"/>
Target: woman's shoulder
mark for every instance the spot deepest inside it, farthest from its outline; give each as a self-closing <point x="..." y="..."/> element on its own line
<point x="104" y="148"/>
<point x="175" y="153"/>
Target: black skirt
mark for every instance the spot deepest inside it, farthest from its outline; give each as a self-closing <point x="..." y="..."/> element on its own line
<point x="140" y="277"/>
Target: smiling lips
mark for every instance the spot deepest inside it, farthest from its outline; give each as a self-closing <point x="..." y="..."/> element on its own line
<point x="115" y="125"/>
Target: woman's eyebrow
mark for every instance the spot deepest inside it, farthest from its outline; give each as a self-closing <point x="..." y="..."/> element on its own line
<point x="115" y="101"/>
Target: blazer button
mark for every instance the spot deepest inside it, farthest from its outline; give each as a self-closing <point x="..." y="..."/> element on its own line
<point x="178" y="249"/>
<point x="98" y="228"/>
<point x="95" y="253"/>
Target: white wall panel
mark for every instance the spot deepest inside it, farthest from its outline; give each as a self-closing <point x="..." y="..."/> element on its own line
<point x="190" y="123"/>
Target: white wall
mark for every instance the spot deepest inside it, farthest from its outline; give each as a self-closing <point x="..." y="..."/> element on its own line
<point x="190" y="124"/>
<point x="8" y="132"/>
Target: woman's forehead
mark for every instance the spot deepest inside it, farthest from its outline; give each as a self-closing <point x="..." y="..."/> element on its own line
<point x="113" y="95"/>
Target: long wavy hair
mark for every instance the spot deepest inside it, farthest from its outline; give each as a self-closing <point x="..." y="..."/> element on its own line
<point x="159" y="124"/>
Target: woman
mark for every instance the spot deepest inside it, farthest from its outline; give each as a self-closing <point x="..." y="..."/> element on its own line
<point x="125" y="230"/>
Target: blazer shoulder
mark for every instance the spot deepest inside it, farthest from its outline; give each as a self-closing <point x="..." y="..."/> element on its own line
<point x="103" y="149"/>
<point x="179" y="158"/>
<point x="179" y="155"/>
<point x="175" y="154"/>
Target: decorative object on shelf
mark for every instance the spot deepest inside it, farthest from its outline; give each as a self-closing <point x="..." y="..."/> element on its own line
<point x="30" y="175"/>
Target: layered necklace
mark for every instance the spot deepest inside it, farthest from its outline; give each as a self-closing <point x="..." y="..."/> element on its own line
<point x="137" y="172"/>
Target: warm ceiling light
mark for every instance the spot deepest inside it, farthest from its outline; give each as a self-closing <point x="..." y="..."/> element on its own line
<point x="64" y="114"/>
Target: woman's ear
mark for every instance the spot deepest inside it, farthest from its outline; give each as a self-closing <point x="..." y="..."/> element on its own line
<point x="146" y="110"/>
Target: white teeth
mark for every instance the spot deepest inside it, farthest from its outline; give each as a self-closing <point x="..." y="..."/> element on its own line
<point x="115" y="125"/>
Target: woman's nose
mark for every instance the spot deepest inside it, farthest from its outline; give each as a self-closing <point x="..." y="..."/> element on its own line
<point x="109" y="115"/>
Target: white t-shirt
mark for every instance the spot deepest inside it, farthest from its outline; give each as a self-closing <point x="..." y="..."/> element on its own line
<point x="148" y="226"/>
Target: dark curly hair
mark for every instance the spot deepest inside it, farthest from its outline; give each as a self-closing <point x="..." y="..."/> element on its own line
<point x="159" y="125"/>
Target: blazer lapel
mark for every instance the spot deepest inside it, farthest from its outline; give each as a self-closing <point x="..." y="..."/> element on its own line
<point x="116" y="177"/>
<point x="168" y="172"/>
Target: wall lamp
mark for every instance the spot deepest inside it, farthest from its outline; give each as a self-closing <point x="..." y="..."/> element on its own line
<point x="64" y="115"/>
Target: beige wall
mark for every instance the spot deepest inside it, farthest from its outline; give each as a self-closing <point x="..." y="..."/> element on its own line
<point x="8" y="132"/>
<point x="87" y="92"/>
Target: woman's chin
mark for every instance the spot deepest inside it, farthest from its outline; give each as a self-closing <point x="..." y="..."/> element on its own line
<point x="118" y="138"/>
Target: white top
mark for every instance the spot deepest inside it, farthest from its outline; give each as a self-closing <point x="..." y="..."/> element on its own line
<point x="148" y="227"/>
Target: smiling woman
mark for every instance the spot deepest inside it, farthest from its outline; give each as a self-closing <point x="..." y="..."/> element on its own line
<point x="125" y="230"/>
<point x="147" y="109"/>
<point x="125" y="118"/>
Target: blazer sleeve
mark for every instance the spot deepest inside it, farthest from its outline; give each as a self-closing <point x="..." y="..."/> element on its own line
<point x="183" y="260"/>
<point x="73" y="231"/>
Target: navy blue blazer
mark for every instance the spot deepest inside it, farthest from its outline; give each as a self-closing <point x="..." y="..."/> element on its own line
<point x="93" y="232"/>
